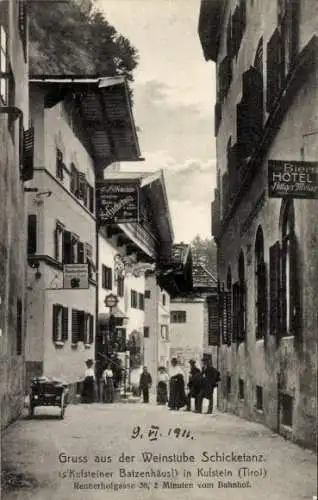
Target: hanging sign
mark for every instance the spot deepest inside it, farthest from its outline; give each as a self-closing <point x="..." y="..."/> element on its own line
<point x="296" y="179"/>
<point x="75" y="276"/>
<point x="117" y="202"/>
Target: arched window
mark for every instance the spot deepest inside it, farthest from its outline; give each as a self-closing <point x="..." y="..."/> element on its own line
<point x="289" y="285"/>
<point x="260" y="286"/>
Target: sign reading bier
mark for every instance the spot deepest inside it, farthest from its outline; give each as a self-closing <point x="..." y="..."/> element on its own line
<point x="117" y="202"/>
<point x="297" y="179"/>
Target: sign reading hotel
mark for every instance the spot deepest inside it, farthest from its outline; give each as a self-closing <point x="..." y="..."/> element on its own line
<point x="75" y="276"/>
<point x="117" y="202"/>
<point x="296" y="179"/>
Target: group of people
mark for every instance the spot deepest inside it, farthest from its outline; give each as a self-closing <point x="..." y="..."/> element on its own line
<point x="104" y="385"/>
<point x="171" y="388"/>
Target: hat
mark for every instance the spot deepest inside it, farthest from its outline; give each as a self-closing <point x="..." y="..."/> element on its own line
<point x="192" y="361"/>
<point x="89" y="362"/>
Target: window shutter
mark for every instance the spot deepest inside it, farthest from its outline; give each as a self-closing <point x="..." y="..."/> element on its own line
<point x="55" y="312"/>
<point x="32" y="233"/>
<point x="213" y="323"/>
<point x="91" y="198"/>
<point x="110" y="278"/>
<point x="275" y="69"/>
<point x="81" y="253"/>
<point x="28" y="154"/>
<point x="294" y="291"/>
<point x="82" y="324"/>
<point x="67" y="247"/>
<point x="261" y="303"/>
<point x="75" y="326"/>
<point x="236" y="309"/>
<point x="228" y="305"/>
<point x="64" y="324"/>
<point x="91" y="329"/>
<point x="275" y="296"/>
<point x="22" y="6"/>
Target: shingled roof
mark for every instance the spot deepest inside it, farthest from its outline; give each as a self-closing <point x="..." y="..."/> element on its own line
<point x="202" y="278"/>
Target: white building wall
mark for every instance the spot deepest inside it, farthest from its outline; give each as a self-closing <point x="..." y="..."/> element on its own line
<point x="52" y="130"/>
<point x="187" y="339"/>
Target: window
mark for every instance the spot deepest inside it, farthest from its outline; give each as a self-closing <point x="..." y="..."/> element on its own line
<point x="107" y="277"/>
<point x="241" y="388"/>
<point x="238" y="27"/>
<point x="75" y="249"/>
<point x="120" y="286"/>
<point x="163" y="299"/>
<point x="259" y="397"/>
<point x="178" y="316"/>
<point x="32" y="234"/>
<point x="290" y="305"/>
<point x="19" y="326"/>
<point x="164" y="332"/>
<point x="133" y="299"/>
<point x="239" y="304"/>
<point x="147" y="294"/>
<point x="288" y="22"/>
<point x="60" y="323"/>
<point x="146" y="332"/>
<point x="249" y="112"/>
<point x="275" y="69"/>
<point x="88" y="337"/>
<point x="141" y="302"/>
<point x="4" y="66"/>
<point x="59" y="164"/>
<point x="287" y="409"/>
<point x="78" y="326"/>
<point x="260" y="286"/>
<point x="58" y="241"/>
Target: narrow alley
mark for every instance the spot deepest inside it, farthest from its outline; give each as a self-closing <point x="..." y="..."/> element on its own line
<point x="40" y="456"/>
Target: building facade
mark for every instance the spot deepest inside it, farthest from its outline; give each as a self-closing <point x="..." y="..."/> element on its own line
<point x="15" y="169"/>
<point x="265" y="55"/>
<point x="157" y="327"/>
<point x="194" y="320"/>
<point x="129" y="254"/>
<point x="62" y="232"/>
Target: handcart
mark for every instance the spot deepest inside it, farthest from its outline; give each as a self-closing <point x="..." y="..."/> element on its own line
<point x="48" y="392"/>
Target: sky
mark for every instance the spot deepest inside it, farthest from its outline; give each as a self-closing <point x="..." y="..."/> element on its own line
<point x="174" y="95"/>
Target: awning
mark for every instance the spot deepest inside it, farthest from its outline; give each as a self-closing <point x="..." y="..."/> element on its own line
<point x="105" y="111"/>
<point x="103" y="318"/>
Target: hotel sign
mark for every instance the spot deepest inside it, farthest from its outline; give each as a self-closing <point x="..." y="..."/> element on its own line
<point x="117" y="202"/>
<point x="296" y="179"/>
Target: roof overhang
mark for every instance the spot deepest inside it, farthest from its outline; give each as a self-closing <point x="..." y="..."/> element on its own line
<point x="209" y="27"/>
<point x="105" y="110"/>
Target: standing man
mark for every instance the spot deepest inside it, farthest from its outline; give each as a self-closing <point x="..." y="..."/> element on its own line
<point x="193" y="384"/>
<point x="211" y="377"/>
<point x="145" y="384"/>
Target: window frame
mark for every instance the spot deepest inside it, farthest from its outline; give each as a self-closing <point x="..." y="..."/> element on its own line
<point x="178" y="316"/>
<point x="4" y="65"/>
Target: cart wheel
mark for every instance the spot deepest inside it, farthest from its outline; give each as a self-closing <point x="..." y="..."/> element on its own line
<point x="62" y="412"/>
<point x="31" y="410"/>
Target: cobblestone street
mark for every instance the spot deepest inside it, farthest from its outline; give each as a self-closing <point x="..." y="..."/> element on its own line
<point x="259" y="463"/>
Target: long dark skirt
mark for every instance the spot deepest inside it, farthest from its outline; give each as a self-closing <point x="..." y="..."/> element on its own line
<point x="109" y="391"/>
<point x="88" y="391"/>
<point x="177" y="397"/>
<point x="162" y="393"/>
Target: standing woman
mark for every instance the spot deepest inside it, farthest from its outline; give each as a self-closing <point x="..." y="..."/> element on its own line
<point x="162" y="387"/>
<point x="177" y="397"/>
<point x="88" y="392"/>
<point x="108" y="378"/>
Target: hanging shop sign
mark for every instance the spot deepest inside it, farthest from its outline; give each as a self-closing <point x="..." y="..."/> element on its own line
<point x="111" y="300"/>
<point x="75" y="276"/>
<point x="117" y="202"/>
<point x="296" y="179"/>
